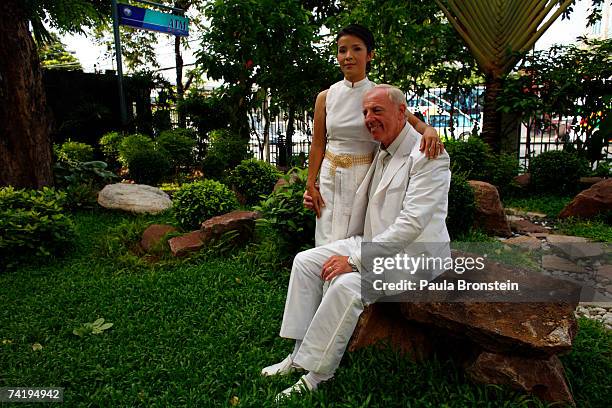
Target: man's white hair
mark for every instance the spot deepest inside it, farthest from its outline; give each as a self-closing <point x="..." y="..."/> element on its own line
<point x="395" y="94"/>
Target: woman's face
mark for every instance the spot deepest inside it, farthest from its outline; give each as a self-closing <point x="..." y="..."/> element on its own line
<point x="352" y="57"/>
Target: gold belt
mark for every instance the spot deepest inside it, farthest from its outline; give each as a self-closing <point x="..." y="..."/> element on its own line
<point x="347" y="160"/>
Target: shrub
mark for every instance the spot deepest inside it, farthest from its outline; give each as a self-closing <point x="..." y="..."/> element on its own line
<point x="475" y="160"/>
<point x="472" y="158"/>
<point x="109" y="143"/>
<point x="603" y="169"/>
<point x="253" y="179"/>
<point x="32" y="224"/>
<point x="225" y="152"/>
<point x="178" y="144"/>
<point x="82" y="181"/>
<point x="133" y="144"/>
<point x="74" y="152"/>
<point x="284" y="213"/>
<point x="502" y="170"/>
<point x="161" y="120"/>
<point x="461" y="207"/>
<point x="557" y="172"/>
<point x="148" y="166"/>
<point x="196" y="202"/>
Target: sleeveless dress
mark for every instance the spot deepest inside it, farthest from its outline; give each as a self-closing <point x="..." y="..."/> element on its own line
<point x="348" y="155"/>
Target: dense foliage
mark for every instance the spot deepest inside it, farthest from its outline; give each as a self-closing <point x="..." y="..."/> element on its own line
<point x="148" y="166"/>
<point x="474" y="160"/>
<point x="565" y="81"/>
<point x="109" y="144"/>
<point x="81" y="181"/>
<point x="196" y="202"/>
<point x="284" y="213"/>
<point x="132" y="145"/>
<point x="557" y="172"/>
<point x="461" y="207"/>
<point x="178" y="146"/>
<point x="253" y="180"/>
<point x="225" y="151"/>
<point x="70" y="151"/>
<point x="32" y="225"/>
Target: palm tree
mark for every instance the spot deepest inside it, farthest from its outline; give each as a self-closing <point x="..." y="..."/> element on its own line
<point x="499" y="33"/>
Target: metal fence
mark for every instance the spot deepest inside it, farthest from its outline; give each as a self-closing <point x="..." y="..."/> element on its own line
<point x="453" y="116"/>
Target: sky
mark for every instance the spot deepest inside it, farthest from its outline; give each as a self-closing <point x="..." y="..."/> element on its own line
<point x="92" y="56"/>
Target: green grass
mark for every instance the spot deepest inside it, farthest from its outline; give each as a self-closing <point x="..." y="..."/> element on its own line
<point x="196" y="333"/>
<point x="549" y="205"/>
<point x="597" y="229"/>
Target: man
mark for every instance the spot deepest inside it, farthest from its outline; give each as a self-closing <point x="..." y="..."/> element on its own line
<point x="403" y="200"/>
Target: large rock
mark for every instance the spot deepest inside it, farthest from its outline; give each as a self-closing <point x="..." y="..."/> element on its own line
<point x="153" y="235"/>
<point x="523" y="180"/>
<point x="528" y="322"/>
<point x="489" y="211"/>
<point x="593" y="201"/>
<point x="182" y="245"/>
<point x="137" y="198"/>
<point x="383" y="322"/>
<point x="241" y="221"/>
<point x="543" y="378"/>
<point x="514" y="344"/>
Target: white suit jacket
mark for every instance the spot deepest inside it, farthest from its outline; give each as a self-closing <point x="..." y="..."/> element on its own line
<point x="409" y="204"/>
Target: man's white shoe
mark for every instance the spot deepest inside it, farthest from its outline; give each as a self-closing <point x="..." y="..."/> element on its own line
<point x="285" y="367"/>
<point x="303" y="385"/>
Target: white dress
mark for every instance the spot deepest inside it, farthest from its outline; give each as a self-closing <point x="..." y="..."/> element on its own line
<point x="348" y="155"/>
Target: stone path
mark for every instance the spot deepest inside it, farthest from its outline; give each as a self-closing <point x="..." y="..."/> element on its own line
<point x="573" y="258"/>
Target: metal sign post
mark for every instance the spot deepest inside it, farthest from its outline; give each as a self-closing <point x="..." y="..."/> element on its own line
<point x="145" y="19"/>
<point x="122" y="106"/>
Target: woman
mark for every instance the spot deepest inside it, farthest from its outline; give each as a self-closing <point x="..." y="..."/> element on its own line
<point x="338" y="123"/>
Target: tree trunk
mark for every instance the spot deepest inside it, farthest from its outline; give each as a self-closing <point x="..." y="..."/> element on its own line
<point x="491" y="121"/>
<point x="25" y="145"/>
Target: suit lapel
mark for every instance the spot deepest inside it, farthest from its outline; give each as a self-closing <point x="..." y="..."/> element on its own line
<point x="399" y="158"/>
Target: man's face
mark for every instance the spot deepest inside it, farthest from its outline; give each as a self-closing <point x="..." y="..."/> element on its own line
<point x="383" y="118"/>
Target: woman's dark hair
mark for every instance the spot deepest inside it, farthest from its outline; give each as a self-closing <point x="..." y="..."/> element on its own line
<point x="362" y="33"/>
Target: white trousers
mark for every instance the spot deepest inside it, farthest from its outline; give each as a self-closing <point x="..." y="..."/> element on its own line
<point x="324" y="321"/>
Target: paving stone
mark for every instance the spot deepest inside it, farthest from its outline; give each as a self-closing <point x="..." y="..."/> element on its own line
<point x="526" y="242"/>
<point x="554" y="262"/>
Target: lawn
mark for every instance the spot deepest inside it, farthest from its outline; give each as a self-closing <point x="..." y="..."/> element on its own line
<point x="196" y="333"/>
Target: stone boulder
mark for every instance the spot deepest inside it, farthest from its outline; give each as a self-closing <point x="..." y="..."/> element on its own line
<point x="241" y="221"/>
<point x="137" y="198"/>
<point x="489" y="211"/>
<point x="186" y="243"/>
<point x="383" y="322"/>
<point x="507" y="343"/>
<point x="153" y="235"/>
<point x="543" y="378"/>
<point x="523" y="180"/>
<point x="593" y="201"/>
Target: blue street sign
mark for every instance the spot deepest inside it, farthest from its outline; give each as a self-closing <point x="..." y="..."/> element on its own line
<point x="153" y="20"/>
